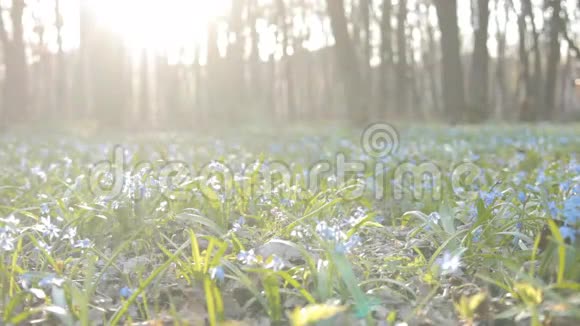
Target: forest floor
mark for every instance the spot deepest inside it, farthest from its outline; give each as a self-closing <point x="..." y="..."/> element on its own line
<point x="422" y="226"/>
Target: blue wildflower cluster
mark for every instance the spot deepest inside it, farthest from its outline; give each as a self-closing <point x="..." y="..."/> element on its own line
<point x="333" y="234"/>
<point x="489" y="197"/>
<point x="571" y="213"/>
<point x="250" y="258"/>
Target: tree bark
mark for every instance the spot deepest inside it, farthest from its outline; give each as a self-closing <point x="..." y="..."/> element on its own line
<point x="60" y="75"/>
<point x="366" y="72"/>
<point x="429" y="57"/>
<point x="287" y="61"/>
<point x="214" y="74"/>
<point x="402" y="81"/>
<point x="16" y="93"/>
<point x="525" y="113"/>
<point x="452" y="79"/>
<point x="554" y="57"/>
<point x="347" y="61"/>
<point x="480" y="65"/>
<point x="386" y="55"/>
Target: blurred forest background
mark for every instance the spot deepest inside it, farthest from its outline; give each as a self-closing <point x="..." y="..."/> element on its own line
<point x="185" y="63"/>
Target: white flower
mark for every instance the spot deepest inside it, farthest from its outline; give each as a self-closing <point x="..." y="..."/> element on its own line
<point x="247" y="257"/>
<point x="10" y="223"/>
<point x="299" y="232"/>
<point x="162" y="207"/>
<point x="44" y="209"/>
<point x="321" y="265"/>
<point x="434" y="218"/>
<point x="83" y="244"/>
<point x="43" y="245"/>
<point x="238" y="224"/>
<point x="70" y="234"/>
<point x="37" y="170"/>
<point x="215" y="165"/>
<point x="449" y="263"/>
<point x="6" y="241"/>
<point x="276" y="263"/>
<point x="329" y="232"/>
<point x="47" y="228"/>
<point x="217" y="273"/>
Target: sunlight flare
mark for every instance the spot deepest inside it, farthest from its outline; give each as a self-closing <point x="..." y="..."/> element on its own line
<point x="159" y="25"/>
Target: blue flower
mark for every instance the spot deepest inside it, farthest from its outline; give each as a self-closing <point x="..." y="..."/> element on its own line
<point x="476" y="234"/>
<point x="329" y="232"/>
<point x="522" y="197"/>
<point x="125" y="292"/>
<point x="44" y="209"/>
<point x="275" y="263"/>
<point x="247" y="257"/>
<point x="217" y="273"/>
<point x="532" y="188"/>
<point x="541" y="178"/>
<point x="287" y="202"/>
<point x="83" y="244"/>
<point x="472" y="212"/>
<point x="49" y="281"/>
<point x="571" y="209"/>
<point x="489" y="197"/>
<point x="48" y="228"/>
<point x="434" y="218"/>
<point x="354" y="241"/>
<point x="565" y="186"/>
<point x="238" y="224"/>
<point x="568" y="233"/>
<point x="553" y="209"/>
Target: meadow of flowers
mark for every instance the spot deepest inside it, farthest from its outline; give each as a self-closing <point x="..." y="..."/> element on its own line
<point x="246" y="248"/>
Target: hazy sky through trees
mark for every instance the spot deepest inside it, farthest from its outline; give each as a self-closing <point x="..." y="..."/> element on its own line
<point x="176" y="28"/>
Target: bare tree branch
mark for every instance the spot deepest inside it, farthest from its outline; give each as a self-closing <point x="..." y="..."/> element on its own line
<point x="3" y="34"/>
<point x="571" y="44"/>
<point x="567" y="37"/>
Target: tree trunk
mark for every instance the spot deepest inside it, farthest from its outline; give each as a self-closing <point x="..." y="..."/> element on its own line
<point x="346" y="57"/>
<point x="82" y="99"/>
<point x="366" y="72"/>
<point x="255" y="85"/>
<point x="386" y="55"/>
<point x="501" y="85"/>
<point x="402" y="81"/>
<point x="452" y="79"/>
<point x="60" y="75"/>
<point x="214" y="74"/>
<point x="525" y="114"/>
<point x="554" y="58"/>
<point x="479" y="70"/>
<point x="232" y="75"/>
<point x="430" y="59"/>
<point x="16" y="94"/>
<point x="287" y="61"/>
